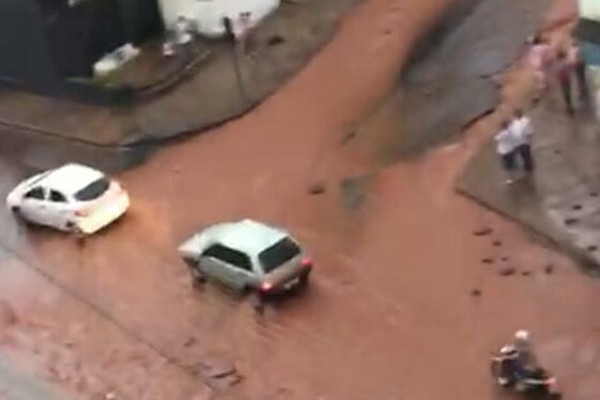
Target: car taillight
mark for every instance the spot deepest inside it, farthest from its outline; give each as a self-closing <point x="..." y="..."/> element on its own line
<point x="81" y="213"/>
<point x="306" y="263"/>
<point x="266" y="286"/>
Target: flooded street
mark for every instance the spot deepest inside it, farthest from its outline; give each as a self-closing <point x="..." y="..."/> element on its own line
<point x="406" y="301"/>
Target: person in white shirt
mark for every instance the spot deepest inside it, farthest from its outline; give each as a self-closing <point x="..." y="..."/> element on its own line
<point x="522" y="130"/>
<point x="506" y="146"/>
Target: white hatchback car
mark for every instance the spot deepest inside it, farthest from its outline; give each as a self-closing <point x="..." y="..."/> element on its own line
<point x="72" y="198"/>
<point x="247" y="256"/>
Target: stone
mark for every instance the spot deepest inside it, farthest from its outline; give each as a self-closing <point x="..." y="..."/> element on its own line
<point x="226" y="382"/>
<point x="218" y="369"/>
<point x="483" y="231"/>
<point x="571" y="221"/>
<point x="317" y="188"/>
<point x="508" y="271"/>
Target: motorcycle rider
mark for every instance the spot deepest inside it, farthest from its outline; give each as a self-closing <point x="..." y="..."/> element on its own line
<point x="523" y="345"/>
<point x="517" y="358"/>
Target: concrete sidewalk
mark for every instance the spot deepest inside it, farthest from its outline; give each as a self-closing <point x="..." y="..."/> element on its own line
<point x="562" y="200"/>
<point x="280" y="47"/>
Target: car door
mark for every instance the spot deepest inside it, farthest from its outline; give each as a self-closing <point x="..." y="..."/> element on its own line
<point x="222" y="264"/>
<point x="239" y="269"/>
<point x="34" y="206"/>
<point x="58" y="209"/>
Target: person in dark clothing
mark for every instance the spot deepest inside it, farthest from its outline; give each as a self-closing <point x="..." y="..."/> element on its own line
<point x="564" y="71"/>
<point x="578" y="66"/>
<point x="229" y="33"/>
<point x="522" y="130"/>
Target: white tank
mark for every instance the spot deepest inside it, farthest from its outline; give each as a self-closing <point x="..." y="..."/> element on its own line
<point x="208" y="14"/>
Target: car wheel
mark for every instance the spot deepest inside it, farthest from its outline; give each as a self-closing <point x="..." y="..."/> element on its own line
<point x="198" y="278"/>
<point x="303" y="283"/>
<point x="258" y="303"/>
<point x="19" y="217"/>
<point x="16" y="212"/>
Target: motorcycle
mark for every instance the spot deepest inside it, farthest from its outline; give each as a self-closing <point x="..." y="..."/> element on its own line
<point x="534" y="382"/>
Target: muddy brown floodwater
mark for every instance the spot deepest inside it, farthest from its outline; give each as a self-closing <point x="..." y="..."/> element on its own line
<point x="406" y="301"/>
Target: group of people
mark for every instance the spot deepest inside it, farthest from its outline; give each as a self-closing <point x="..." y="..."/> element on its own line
<point x="513" y="144"/>
<point x="562" y="66"/>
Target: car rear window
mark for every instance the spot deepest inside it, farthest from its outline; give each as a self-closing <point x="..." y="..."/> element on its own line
<point x="93" y="190"/>
<point x="278" y="254"/>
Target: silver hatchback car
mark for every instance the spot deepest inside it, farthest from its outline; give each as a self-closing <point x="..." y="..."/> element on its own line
<point x="247" y="256"/>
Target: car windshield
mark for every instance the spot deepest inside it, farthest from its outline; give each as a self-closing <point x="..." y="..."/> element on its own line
<point x="93" y="190"/>
<point x="278" y="254"/>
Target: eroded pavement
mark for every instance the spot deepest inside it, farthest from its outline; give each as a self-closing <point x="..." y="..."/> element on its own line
<point x="404" y="293"/>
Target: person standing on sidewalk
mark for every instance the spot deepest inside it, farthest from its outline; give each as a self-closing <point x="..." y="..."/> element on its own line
<point x="539" y="58"/>
<point x="506" y="146"/>
<point x="522" y="129"/>
<point x="563" y="73"/>
<point x="578" y="67"/>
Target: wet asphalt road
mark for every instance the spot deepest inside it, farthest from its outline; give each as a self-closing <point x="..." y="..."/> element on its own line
<point x="389" y="313"/>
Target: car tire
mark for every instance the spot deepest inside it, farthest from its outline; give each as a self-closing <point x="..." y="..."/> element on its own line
<point x="303" y="284"/>
<point x="19" y="217"/>
<point x="198" y="278"/>
<point x="75" y="231"/>
<point x="258" y="302"/>
<point x="16" y="212"/>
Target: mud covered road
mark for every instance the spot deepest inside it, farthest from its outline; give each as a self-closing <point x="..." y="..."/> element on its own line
<point x="406" y="301"/>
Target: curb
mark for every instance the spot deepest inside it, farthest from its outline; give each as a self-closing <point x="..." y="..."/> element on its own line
<point x="586" y="263"/>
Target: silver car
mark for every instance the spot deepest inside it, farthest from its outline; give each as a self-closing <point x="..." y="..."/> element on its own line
<point x="247" y="256"/>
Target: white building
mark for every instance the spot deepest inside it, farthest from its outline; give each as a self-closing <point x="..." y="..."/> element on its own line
<point x="208" y="15"/>
<point x="589" y="9"/>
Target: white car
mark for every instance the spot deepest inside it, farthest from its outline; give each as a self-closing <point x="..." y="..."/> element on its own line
<point x="247" y="256"/>
<point x="72" y="198"/>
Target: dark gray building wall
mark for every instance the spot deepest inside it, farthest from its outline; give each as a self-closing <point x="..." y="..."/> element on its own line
<point x="45" y="42"/>
<point x="25" y="59"/>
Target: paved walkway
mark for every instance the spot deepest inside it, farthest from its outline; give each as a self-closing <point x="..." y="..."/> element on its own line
<point x="562" y="200"/>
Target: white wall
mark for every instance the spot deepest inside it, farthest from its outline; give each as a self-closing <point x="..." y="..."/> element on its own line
<point x="589" y="9"/>
<point x="209" y="14"/>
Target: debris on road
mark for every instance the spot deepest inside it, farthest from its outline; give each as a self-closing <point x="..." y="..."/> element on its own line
<point x="483" y="231"/>
<point x="475" y="293"/>
<point x="487" y="260"/>
<point x="317" y="188"/>
<point x="190" y="342"/>
<point x="549" y="269"/>
<point x="219" y="374"/>
<point x="497" y="243"/>
<point x="571" y="221"/>
<point x="509" y="271"/>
